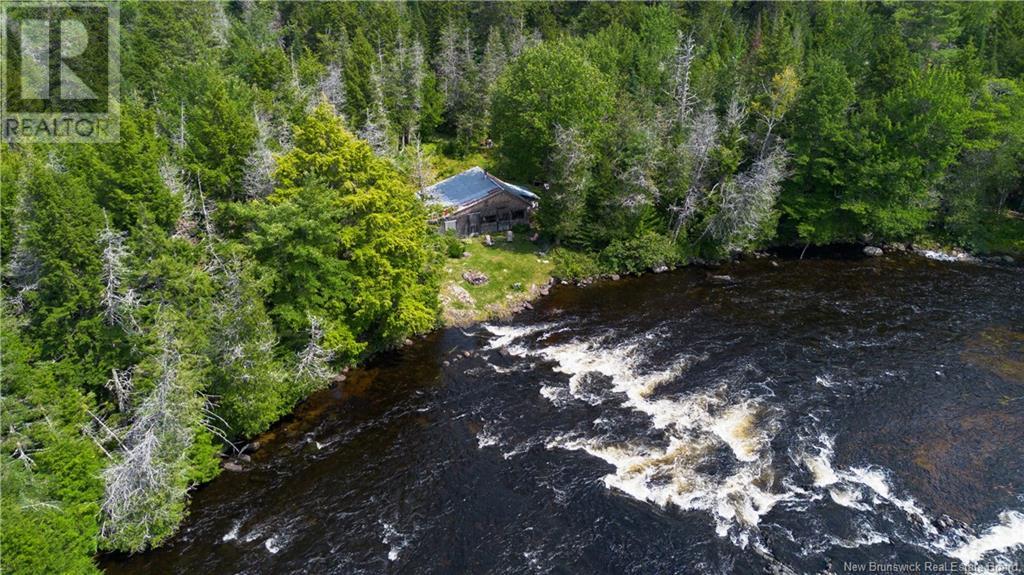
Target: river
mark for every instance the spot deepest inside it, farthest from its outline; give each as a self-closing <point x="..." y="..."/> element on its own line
<point x="787" y="417"/>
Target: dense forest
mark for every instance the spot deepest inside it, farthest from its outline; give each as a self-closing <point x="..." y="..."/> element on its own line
<point x="257" y="226"/>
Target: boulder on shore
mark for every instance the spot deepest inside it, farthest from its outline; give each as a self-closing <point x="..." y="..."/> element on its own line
<point x="873" y="251"/>
<point x="474" y="277"/>
<point x="232" y="466"/>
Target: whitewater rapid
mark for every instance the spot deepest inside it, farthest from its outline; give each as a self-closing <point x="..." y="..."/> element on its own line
<point x="710" y="450"/>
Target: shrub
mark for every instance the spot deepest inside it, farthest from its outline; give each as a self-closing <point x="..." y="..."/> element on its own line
<point x="574" y="265"/>
<point x="452" y="244"/>
<point x="640" y="253"/>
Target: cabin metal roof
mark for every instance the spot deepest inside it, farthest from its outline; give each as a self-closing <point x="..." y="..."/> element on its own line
<point x="472" y="185"/>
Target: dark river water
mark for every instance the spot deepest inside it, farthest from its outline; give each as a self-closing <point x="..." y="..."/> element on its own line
<point x="811" y="416"/>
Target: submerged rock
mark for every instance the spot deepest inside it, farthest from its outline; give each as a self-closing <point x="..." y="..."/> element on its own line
<point x="873" y="251"/>
<point x="233" y="467"/>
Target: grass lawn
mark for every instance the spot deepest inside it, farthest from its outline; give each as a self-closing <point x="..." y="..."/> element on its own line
<point x="505" y="264"/>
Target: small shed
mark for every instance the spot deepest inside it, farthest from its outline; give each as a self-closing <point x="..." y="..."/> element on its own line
<point x="475" y="202"/>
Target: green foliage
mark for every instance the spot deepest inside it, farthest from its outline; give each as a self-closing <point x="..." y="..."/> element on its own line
<point x="343" y="238"/>
<point x="1007" y="40"/>
<point x="821" y="154"/>
<point x="575" y="265"/>
<point x="453" y="246"/>
<point x="251" y="386"/>
<point x="908" y="141"/>
<point x="549" y="85"/>
<point x="220" y="129"/>
<point x="641" y="253"/>
<point x="49" y="473"/>
<point x="151" y="259"/>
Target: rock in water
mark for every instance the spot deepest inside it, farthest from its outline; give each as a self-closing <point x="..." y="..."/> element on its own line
<point x="873" y="251"/>
<point x="660" y="269"/>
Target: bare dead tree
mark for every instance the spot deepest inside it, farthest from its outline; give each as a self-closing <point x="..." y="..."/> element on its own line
<point x="449" y="63"/>
<point x="519" y="38"/>
<point x="118" y="301"/>
<point x="258" y="175"/>
<point x="172" y="178"/>
<point x="697" y="149"/>
<point x="179" y="138"/>
<point x="375" y="129"/>
<point x="638" y="171"/>
<point x="314" y="360"/>
<point x="422" y="172"/>
<point x="332" y="87"/>
<point x="219" y="24"/>
<point x="683" y="96"/>
<point x="25" y="268"/>
<point x="149" y="479"/>
<point x="565" y="198"/>
<point x="736" y="113"/>
<point x="121" y="385"/>
<point x="494" y="60"/>
<point x="746" y="202"/>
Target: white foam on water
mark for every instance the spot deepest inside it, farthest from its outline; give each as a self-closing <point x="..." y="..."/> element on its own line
<point x="486" y="438"/>
<point x="272" y="545"/>
<point x="559" y="396"/>
<point x="1005" y="536"/>
<point x="737" y="427"/>
<point x="946" y="257"/>
<point x="819" y="463"/>
<point x="395" y="540"/>
<point x="866" y="536"/>
<point x="848" y="497"/>
<point x="698" y="424"/>
<point x="825" y="381"/>
<point x="506" y="334"/>
<point x="876" y="479"/>
<point x="233" y="533"/>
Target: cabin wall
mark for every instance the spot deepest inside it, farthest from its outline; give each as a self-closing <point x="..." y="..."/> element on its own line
<point x="491" y="215"/>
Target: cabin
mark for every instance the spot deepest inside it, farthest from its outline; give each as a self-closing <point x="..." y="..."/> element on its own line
<point x="475" y="202"/>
